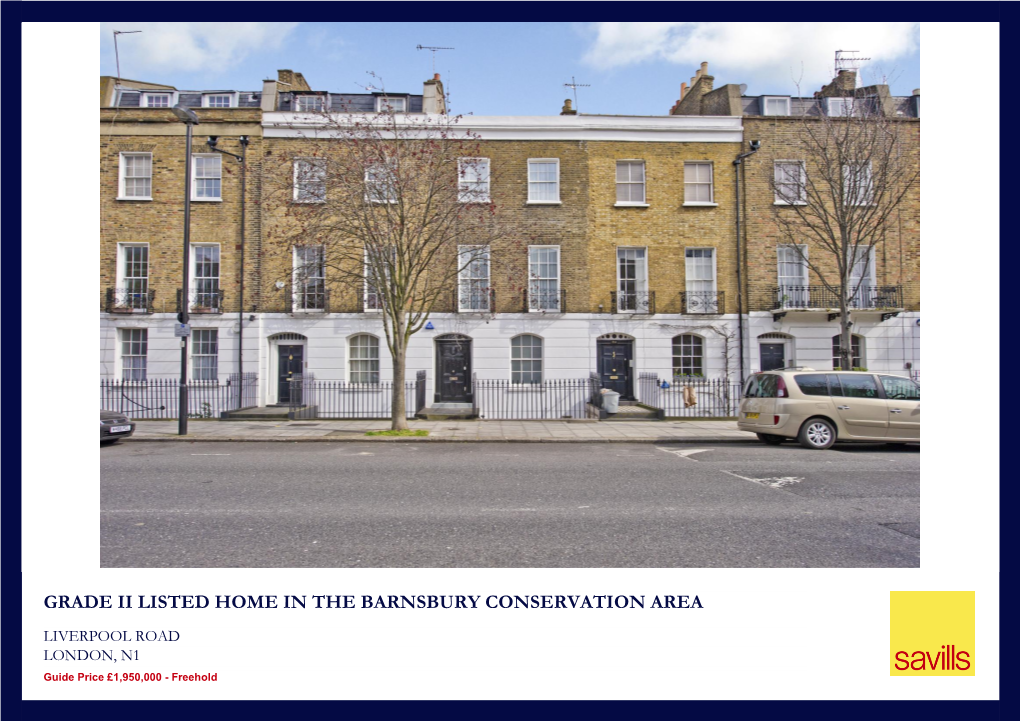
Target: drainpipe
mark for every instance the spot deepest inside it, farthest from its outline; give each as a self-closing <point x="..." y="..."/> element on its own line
<point x="737" y="164"/>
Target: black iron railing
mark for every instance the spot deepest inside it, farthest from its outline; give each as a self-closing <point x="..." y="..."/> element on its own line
<point x="312" y="398"/>
<point x="560" y="399"/>
<point x="703" y="301"/>
<point x="202" y="301"/>
<point x="312" y="297"/>
<point x="159" y="398"/>
<point x="475" y="300"/>
<point x="687" y="397"/>
<point x="547" y="302"/>
<point x="639" y="302"/>
<point x="137" y="299"/>
<point x="793" y="297"/>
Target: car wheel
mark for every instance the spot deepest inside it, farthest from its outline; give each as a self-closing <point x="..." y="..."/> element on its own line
<point x="770" y="439"/>
<point x="817" y="434"/>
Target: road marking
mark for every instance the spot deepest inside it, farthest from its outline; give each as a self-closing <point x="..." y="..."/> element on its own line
<point x="684" y="452"/>
<point x="777" y="482"/>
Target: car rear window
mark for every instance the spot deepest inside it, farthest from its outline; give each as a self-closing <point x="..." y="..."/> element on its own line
<point x="858" y="386"/>
<point x="760" y="385"/>
<point x="812" y="385"/>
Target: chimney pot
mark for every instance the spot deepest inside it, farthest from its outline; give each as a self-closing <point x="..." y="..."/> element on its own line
<point x="436" y="76"/>
<point x="917" y="91"/>
<point x="568" y="108"/>
<point x="683" y="90"/>
<point x="704" y="68"/>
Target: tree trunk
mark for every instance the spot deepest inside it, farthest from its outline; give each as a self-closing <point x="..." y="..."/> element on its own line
<point x="398" y="415"/>
<point x="845" y="336"/>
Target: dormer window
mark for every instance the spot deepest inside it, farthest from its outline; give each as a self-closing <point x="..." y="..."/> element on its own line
<point x="386" y="104"/>
<point x="218" y="100"/>
<point x="309" y="103"/>
<point x="156" y="100"/>
<point x="776" y="105"/>
<point x="840" y="107"/>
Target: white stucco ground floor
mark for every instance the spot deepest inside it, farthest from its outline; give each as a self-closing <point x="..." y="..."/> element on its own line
<point x="517" y="348"/>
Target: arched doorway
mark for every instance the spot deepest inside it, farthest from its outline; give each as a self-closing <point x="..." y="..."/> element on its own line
<point x="287" y="360"/>
<point x="615" y="358"/>
<point x="453" y="369"/>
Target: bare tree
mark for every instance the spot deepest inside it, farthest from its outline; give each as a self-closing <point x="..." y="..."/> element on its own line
<point x="856" y="168"/>
<point x="386" y="213"/>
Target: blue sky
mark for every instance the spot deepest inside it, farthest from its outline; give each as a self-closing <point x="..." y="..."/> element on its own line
<point x="516" y="68"/>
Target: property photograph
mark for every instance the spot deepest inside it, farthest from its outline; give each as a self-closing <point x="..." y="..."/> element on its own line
<point x="630" y="298"/>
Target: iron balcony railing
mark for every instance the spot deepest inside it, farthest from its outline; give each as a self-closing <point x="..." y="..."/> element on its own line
<point x="703" y="301"/>
<point x="641" y="302"/>
<point x="136" y="299"/>
<point x="554" y="301"/>
<point x="297" y="298"/>
<point x="794" y="297"/>
<point x="475" y="300"/>
<point x="202" y="301"/>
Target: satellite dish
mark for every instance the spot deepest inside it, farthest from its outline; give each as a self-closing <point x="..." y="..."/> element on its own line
<point x="743" y="88"/>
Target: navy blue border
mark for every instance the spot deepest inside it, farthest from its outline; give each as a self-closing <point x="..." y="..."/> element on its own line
<point x="10" y="492"/>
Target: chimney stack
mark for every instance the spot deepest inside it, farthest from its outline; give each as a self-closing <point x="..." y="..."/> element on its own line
<point x="433" y="97"/>
<point x="568" y="108"/>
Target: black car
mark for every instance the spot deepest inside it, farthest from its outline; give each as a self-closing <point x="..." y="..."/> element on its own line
<point x="114" y="425"/>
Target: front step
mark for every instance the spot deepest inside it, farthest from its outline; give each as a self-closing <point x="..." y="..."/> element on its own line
<point x="448" y="412"/>
<point x="631" y="411"/>
<point x="266" y="413"/>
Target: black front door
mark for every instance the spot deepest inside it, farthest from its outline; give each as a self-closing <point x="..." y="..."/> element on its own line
<point x="453" y="367"/>
<point x="291" y="357"/>
<point x="615" y="358"/>
<point x="773" y="356"/>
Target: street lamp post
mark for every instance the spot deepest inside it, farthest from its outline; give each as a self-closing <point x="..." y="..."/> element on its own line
<point x="190" y="119"/>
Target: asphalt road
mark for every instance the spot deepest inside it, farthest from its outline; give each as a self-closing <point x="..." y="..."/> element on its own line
<point x="508" y="505"/>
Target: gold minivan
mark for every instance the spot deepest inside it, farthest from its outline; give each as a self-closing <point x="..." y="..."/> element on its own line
<point x="819" y="408"/>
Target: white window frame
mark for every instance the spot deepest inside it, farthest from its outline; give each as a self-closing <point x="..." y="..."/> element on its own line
<point x="765" y="105"/>
<point x="464" y="192"/>
<point x="296" y="279"/>
<point x="643" y="183"/>
<point x="710" y="203"/>
<point x="640" y="279"/>
<point x="700" y="357"/>
<point x="299" y="97"/>
<point x="381" y="101"/>
<point x="300" y="182"/>
<point x="865" y="194"/>
<point x="536" y="161"/>
<point x="194" y="347"/>
<point x="349" y="366"/>
<point x="801" y="298"/>
<point x="122" y="176"/>
<point x="468" y="256"/>
<point x="143" y="99"/>
<point x="193" y="277"/>
<point x="803" y="182"/>
<point x="860" y="297"/>
<point x="372" y="182"/>
<point x="231" y="97"/>
<point x="144" y="367"/>
<point x="533" y="280"/>
<point x="711" y="305"/>
<point x="195" y="178"/>
<point x="519" y="382"/>
<point x="370" y="284"/>
<point x="122" y="276"/>
<point x="841" y="107"/>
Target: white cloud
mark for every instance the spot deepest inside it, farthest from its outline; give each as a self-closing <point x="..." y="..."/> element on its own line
<point x="186" y="47"/>
<point x="779" y="52"/>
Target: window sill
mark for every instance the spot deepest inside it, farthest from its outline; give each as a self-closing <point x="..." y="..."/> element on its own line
<point x="544" y="310"/>
<point x="133" y="198"/>
<point x="631" y="205"/>
<point x="207" y="200"/>
<point x="308" y="202"/>
<point x="477" y="201"/>
<point x="701" y="205"/>
<point x="544" y="202"/>
<point x="781" y="202"/>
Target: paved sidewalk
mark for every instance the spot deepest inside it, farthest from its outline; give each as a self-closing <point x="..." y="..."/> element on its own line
<point x="510" y="431"/>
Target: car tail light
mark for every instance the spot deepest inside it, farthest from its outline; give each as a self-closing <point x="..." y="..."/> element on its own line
<point x="781" y="391"/>
<point x="775" y="420"/>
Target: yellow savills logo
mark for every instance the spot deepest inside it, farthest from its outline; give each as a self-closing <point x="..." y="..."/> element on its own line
<point x="931" y="633"/>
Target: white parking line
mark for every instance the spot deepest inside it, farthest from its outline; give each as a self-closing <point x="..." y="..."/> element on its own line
<point x="778" y="482"/>
<point x="684" y="452"/>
